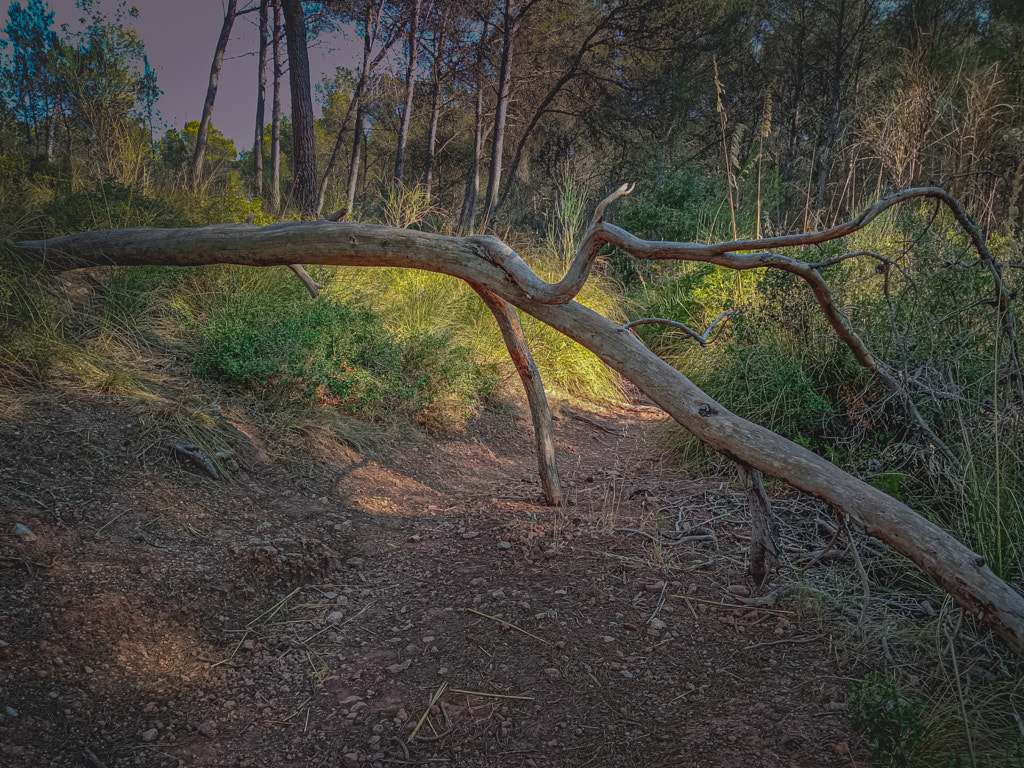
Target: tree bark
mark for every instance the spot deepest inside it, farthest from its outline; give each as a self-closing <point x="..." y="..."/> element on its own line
<point x="275" y="115"/>
<point x="410" y="91"/>
<point x="261" y="99"/>
<point x="487" y="262"/>
<point x="540" y="412"/>
<point x="764" y="551"/>
<point x="305" y="190"/>
<point x="203" y="137"/>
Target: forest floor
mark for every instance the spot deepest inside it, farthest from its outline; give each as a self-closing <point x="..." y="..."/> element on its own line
<point x="415" y="606"/>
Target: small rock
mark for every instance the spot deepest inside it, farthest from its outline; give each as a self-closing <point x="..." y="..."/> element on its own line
<point x="24" y="532"/>
<point x="549" y="554"/>
<point x="626" y="674"/>
<point x="335" y="617"/>
<point x="11" y="712"/>
<point x="396" y="668"/>
<point x="402" y="715"/>
<point x="150" y="735"/>
<point x="351" y="700"/>
<point x="209" y="728"/>
<point x="553" y="673"/>
<point x="498" y="593"/>
<point x="470" y="534"/>
<point x="739" y="590"/>
<point x="330" y="595"/>
<point x="145" y="569"/>
<point x="608" y="638"/>
<point x="479" y="581"/>
<point x="655" y="587"/>
<point x="657" y="624"/>
<point x="415" y="537"/>
<point x="350" y="760"/>
<point x="561" y="591"/>
<point x="504" y="545"/>
<point x="355" y="562"/>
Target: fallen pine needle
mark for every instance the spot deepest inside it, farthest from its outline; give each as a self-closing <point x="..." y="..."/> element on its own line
<point x="513" y="626"/>
<point x="493" y="695"/>
<point x="783" y="642"/>
<point x="734" y="605"/>
<point x="433" y="700"/>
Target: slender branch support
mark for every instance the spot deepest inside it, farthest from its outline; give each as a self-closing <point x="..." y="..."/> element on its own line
<point x="540" y="412"/>
<point x="764" y="550"/>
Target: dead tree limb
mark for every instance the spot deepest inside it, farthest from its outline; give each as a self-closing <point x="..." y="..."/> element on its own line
<point x="540" y="412"/>
<point x="764" y="551"/>
<point x="488" y="262"/>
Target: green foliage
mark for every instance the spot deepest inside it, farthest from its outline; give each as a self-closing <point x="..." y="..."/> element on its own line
<point x="108" y="205"/>
<point x="274" y="339"/>
<point x="893" y="723"/>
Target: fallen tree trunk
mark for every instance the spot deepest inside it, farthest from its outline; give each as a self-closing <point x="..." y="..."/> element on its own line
<point x="486" y="262"/>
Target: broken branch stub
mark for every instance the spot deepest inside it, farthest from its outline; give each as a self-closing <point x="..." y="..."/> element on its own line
<point x="487" y="262"/>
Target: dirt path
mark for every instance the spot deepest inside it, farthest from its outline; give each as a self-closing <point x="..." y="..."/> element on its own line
<point x="309" y="614"/>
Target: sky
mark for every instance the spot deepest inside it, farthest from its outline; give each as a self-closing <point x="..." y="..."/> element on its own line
<point x="180" y="37"/>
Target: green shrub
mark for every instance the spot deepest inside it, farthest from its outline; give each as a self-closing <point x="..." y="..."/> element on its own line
<point x="892" y="723"/>
<point x="334" y="353"/>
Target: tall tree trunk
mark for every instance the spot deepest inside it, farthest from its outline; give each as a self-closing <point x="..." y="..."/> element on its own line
<point x="51" y="131"/>
<point x="357" y="148"/>
<point x="303" y="138"/>
<point x="336" y="151"/>
<point x="500" y="113"/>
<point x="275" y="115"/>
<point x="571" y="71"/>
<point x="467" y="219"/>
<point x="435" y="104"/>
<point x="211" y="94"/>
<point x="410" y="90"/>
<point x="261" y="99"/>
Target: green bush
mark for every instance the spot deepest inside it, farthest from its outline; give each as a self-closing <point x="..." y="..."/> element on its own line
<point x="893" y="724"/>
<point x="339" y="354"/>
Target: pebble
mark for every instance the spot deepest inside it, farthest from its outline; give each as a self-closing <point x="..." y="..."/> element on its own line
<point x="24" y="532"/>
<point x="415" y="537"/>
<point x="553" y="673"/>
<point x="396" y="668"/>
<point x="498" y="593"/>
<point x="655" y="587"/>
<point x="739" y="590"/>
<point x="11" y="712"/>
<point x="470" y="534"/>
<point x="355" y="562"/>
<point x="150" y="735"/>
<point x="209" y="728"/>
<point x="504" y="545"/>
<point x="478" y="582"/>
<point x="626" y="674"/>
<point x="330" y="595"/>
<point x="561" y="591"/>
<point x="657" y="624"/>
<point x="350" y="759"/>
<point x="335" y="617"/>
